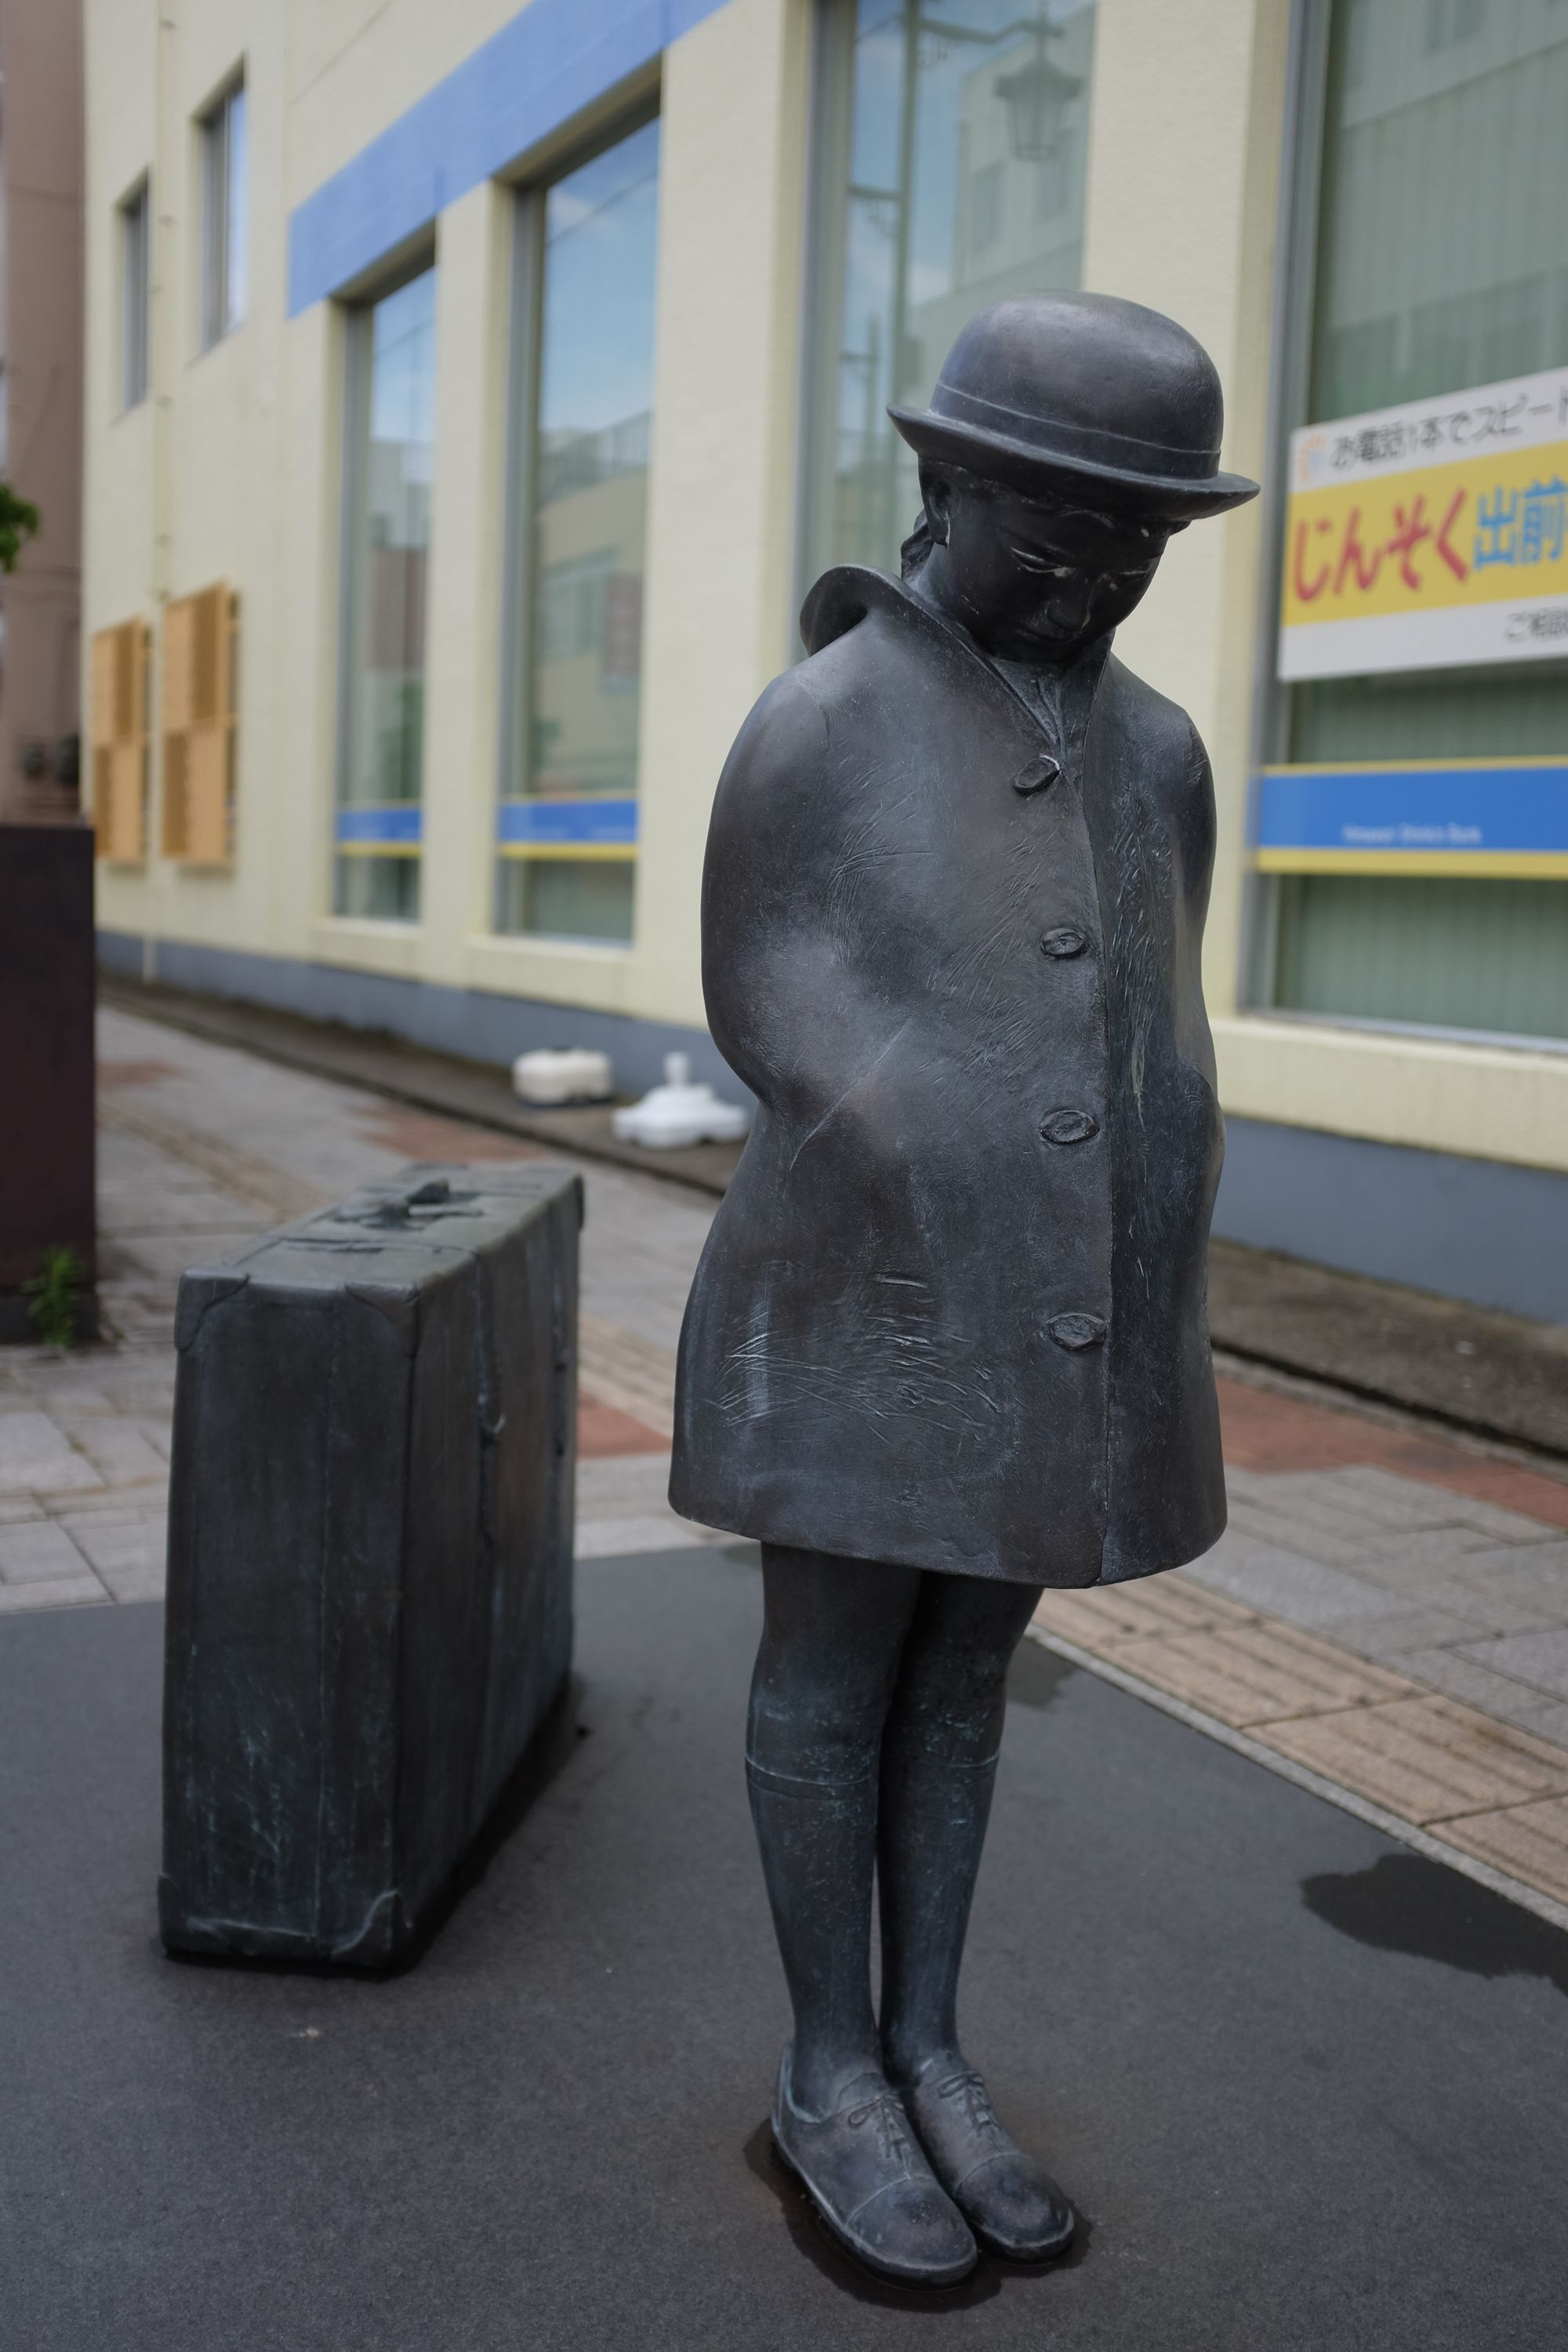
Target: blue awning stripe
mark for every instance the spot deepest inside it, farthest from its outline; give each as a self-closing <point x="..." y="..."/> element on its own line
<point x="525" y="82"/>
<point x="402" y="826"/>
<point x="1510" y="805"/>
<point x="599" y="822"/>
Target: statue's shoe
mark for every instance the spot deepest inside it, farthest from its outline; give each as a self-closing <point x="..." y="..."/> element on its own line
<point x="1007" y="2198"/>
<point x="864" y="2170"/>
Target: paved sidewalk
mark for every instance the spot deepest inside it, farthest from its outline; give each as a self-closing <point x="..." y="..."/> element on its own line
<point x="200" y="1146"/>
<point x="1388" y="1612"/>
<point x="1477" y="1370"/>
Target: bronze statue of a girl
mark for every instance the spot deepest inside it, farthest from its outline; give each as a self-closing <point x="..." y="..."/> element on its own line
<point x="948" y="1342"/>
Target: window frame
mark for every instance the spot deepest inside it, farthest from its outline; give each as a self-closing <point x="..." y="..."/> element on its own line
<point x="519" y="503"/>
<point x="1309" y="62"/>
<point x="133" y="264"/>
<point x="221" y="285"/>
<point x="1294" y="303"/>
<point x="356" y="314"/>
<point x="524" y="361"/>
<point x="830" y="142"/>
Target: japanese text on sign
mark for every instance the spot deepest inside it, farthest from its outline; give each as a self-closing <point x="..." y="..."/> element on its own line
<point x="1430" y="535"/>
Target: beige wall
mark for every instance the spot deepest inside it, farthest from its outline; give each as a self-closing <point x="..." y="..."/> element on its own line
<point x="233" y="471"/>
<point x="193" y="485"/>
<point x="720" y="570"/>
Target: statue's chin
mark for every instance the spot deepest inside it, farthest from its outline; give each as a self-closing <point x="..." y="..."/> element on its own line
<point x="1044" y="646"/>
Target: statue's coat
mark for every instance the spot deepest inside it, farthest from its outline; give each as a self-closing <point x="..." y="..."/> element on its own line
<point x="923" y="1330"/>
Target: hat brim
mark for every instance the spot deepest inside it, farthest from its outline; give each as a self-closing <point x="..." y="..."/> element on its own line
<point x="1023" y="466"/>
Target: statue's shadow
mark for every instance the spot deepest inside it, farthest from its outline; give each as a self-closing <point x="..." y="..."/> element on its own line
<point x="813" y="2238"/>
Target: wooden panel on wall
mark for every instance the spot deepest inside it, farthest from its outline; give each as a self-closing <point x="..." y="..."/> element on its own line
<point x="200" y="674"/>
<point x="118" y="725"/>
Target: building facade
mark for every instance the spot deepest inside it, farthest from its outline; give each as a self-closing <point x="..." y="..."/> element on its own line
<point x="41" y="403"/>
<point x="472" y="392"/>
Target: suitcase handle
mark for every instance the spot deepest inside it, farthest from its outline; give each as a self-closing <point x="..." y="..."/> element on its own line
<point x="394" y="1203"/>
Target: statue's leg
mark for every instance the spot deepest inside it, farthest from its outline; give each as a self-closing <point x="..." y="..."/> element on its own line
<point x="834" y="1630"/>
<point x="938" y="1765"/>
<point x="832" y="1637"/>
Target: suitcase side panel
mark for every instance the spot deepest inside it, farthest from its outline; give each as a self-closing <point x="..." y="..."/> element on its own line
<point x="363" y="1578"/>
<point x="444" y="1632"/>
<point x="371" y="1556"/>
<point x="530" y="1487"/>
<point x="252" y="1661"/>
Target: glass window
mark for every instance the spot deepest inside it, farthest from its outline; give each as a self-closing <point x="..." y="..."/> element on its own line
<point x="134" y="229"/>
<point x="1441" y="267"/>
<point x="587" y="254"/>
<point x="223" y="216"/>
<point x="954" y="141"/>
<point x="391" y="385"/>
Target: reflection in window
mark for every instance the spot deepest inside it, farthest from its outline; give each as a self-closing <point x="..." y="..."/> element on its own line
<point x="568" y="826"/>
<point x="955" y="140"/>
<point x="392" y="396"/>
<point x="1445" y="185"/>
<point x="985" y="205"/>
<point x="575" y="898"/>
<point x="1448" y="21"/>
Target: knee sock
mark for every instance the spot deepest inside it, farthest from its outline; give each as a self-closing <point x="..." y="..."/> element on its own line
<point x="935" y="1803"/>
<point x="819" y="1844"/>
<point x="938" y="1770"/>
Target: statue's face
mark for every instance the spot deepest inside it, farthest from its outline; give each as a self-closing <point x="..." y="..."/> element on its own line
<point x="1034" y="581"/>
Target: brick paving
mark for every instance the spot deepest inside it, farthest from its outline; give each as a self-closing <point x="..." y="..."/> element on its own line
<point x="1388" y="1612"/>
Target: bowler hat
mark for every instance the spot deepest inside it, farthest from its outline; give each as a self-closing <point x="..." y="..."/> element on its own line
<point x="1080" y="394"/>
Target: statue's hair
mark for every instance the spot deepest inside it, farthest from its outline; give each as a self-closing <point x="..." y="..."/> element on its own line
<point x="916" y="548"/>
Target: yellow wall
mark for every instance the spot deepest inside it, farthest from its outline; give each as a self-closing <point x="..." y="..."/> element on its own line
<point x="233" y="471"/>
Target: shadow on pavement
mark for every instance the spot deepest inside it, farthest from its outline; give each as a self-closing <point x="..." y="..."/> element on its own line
<point x="1405" y="1904"/>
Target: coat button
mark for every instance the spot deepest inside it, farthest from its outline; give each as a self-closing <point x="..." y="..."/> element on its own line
<point x="1064" y="942"/>
<point x="1077" y="1331"/>
<point x="1068" y="1127"/>
<point x="1037" y="773"/>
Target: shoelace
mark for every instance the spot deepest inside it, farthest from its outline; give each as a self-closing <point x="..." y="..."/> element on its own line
<point x="971" y="2088"/>
<point x="892" y="2140"/>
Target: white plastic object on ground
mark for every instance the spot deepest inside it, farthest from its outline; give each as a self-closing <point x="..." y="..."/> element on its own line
<point x="678" y="1112"/>
<point x="575" y="1073"/>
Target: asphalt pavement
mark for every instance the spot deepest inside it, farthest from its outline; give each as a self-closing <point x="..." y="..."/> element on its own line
<point x="1305" y="2085"/>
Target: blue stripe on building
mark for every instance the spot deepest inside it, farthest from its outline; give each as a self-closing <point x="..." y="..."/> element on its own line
<point x="401" y="827"/>
<point x="600" y="823"/>
<point x="1508" y="806"/>
<point x="526" y="81"/>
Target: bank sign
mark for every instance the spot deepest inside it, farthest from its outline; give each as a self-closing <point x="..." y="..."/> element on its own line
<point x="1430" y="535"/>
<point x="1498" y="817"/>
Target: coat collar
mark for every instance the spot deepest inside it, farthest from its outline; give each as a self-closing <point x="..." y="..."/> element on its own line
<point x="843" y="597"/>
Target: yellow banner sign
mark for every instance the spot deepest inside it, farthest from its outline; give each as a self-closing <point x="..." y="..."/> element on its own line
<point x="1431" y="534"/>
